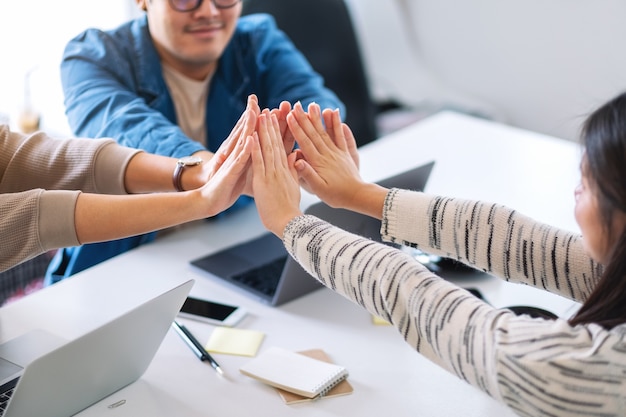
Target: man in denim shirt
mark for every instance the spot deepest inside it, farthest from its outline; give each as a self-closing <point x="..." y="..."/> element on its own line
<point x="174" y="82"/>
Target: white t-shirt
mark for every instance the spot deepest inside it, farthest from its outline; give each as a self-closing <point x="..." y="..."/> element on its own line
<point x="189" y="98"/>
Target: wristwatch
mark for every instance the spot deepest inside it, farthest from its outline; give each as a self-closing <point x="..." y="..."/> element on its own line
<point x="181" y="164"/>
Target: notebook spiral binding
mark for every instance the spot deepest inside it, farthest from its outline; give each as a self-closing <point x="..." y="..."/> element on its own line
<point x="337" y="379"/>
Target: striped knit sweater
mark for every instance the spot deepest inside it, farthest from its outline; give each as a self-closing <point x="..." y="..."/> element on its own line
<point x="537" y="367"/>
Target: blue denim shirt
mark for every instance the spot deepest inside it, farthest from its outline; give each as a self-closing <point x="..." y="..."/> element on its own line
<point x="114" y="87"/>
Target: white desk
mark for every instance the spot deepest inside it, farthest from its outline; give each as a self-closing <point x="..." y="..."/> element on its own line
<point x="475" y="159"/>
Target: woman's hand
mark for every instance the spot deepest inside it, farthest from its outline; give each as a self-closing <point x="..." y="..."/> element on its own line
<point x="120" y="216"/>
<point x="227" y="182"/>
<point x="244" y="127"/>
<point x="275" y="181"/>
<point x="328" y="160"/>
<point x="281" y="114"/>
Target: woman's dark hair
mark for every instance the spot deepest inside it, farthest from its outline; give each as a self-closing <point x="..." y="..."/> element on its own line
<point x="604" y="164"/>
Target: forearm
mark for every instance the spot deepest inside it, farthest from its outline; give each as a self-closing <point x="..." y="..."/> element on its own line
<point x="102" y="217"/>
<point x="392" y="285"/>
<point x="148" y="173"/>
<point x="493" y="238"/>
<point x="98" y="217"/>
<point x="494" y="350"/>
<point x="368" y="199"/>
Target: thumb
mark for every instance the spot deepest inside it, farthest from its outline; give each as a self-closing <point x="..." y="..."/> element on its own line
<point x="307" y="174"/>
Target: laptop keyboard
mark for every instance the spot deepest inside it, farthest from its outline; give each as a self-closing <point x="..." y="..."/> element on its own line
<point x="5" y="394"/>
<point x="263" y="279"/>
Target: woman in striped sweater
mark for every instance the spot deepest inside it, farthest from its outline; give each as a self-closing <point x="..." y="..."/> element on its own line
<point x="537" y="367"/>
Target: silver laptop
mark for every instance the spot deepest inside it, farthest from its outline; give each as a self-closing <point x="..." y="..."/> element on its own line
<point x="262" y="268"/>
<point x="76" y="374"/>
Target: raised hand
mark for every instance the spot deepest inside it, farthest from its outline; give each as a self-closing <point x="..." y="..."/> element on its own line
<point x="343" y="137"/>
<point x="228" y="181"/>
<point x="275" y="181"/>
<point x="328" y="159"/>
<point x="244" y="127"/>
<point x="281" y="114"/>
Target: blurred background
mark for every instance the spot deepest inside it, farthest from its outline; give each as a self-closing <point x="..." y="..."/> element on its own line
<point x="540" y="65"/>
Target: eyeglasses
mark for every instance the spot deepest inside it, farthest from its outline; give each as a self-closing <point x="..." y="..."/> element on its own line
<point x="191" y="5"/>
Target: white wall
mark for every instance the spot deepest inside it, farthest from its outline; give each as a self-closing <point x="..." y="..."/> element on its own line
<point x="33" y="34"/>
<point x="538" y="64"/>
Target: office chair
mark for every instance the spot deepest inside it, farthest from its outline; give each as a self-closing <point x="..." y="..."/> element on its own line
<point x="324" y="32"/>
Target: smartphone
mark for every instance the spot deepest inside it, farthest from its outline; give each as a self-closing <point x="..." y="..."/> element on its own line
<point x="211" y="312"/>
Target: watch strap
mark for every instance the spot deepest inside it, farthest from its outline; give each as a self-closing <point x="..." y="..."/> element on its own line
<point x="177" y="176"/>
<point x="181" y="164"/>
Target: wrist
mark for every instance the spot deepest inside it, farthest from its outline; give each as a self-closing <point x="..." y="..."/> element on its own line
<point x="279" y="227"/>
<point x="180" y="176"/>
<point x="368" y="199"/>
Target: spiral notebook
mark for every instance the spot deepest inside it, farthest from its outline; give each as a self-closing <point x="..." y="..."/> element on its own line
<point x="293" y="372"/>
<point x="342" y="388"/>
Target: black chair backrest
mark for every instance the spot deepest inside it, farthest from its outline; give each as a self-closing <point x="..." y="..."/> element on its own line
<point x="324" y="32"/>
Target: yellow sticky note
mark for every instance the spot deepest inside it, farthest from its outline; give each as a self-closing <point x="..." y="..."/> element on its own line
<point x="380" y="321"/>
<point x="234" y="341"/>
